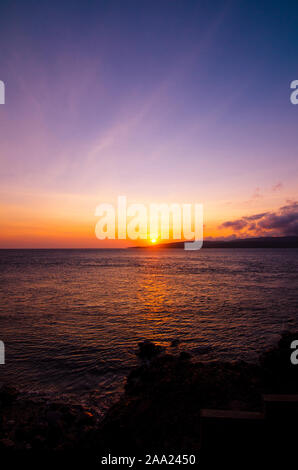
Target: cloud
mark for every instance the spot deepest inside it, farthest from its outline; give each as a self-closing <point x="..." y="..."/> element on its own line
<point x="277" y="187"/>
<point x="283" y="222"/>
<point x="255" y="216"/>
<point x="235" y="224"/>
<point x="257" y="194"/>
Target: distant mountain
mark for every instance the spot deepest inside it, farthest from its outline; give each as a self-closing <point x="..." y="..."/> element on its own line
<point x="261" y="242"/>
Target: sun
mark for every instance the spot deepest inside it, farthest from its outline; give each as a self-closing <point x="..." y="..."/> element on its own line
<point x="153" y="240"/>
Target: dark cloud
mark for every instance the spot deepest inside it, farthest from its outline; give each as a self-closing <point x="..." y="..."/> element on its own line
<point x="235" y="224"/>
<point x="255" y="216"/>
<point x="283" y="222"/>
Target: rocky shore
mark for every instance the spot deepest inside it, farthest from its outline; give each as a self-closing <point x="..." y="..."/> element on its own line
<point x="159" y="410"/>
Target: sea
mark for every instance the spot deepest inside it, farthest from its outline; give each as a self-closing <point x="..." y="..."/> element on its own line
<point x="71" y="320"/>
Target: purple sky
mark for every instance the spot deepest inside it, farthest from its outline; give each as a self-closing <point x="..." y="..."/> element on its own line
<point x="162" y="101"/>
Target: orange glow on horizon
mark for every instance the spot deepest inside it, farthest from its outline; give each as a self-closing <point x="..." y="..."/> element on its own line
<point x="59" y="220"/>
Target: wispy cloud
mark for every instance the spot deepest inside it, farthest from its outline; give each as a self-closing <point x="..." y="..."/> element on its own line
<point x="277" y="187"/>
<point x="257" y="194"/>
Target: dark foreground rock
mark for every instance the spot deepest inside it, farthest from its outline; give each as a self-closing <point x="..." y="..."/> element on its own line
<point x="37" y="425"/>
<point x="159" y="410"/>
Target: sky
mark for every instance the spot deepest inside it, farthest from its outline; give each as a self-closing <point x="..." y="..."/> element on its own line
<point x="182" y="101"/>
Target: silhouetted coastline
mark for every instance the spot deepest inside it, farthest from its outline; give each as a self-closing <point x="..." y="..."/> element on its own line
<point x="258" y="242"/>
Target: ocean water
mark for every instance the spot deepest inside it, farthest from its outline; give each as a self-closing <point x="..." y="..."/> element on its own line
<point x="71" y="319"/>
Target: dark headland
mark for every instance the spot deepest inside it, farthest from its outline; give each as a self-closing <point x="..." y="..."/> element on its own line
<point x="258" y="242"/>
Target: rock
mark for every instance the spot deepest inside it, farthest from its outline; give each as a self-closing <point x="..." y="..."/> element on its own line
<point x="6" y="443"/>
<point x="160" y="408"/>
<point x="38" y="442"/>
<point x="278" y="371"/>
<point x="8" y="395"/>
<point x="54" y="418"/>
<point x="148" y="350"/>
<point x="86" y="418"/>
